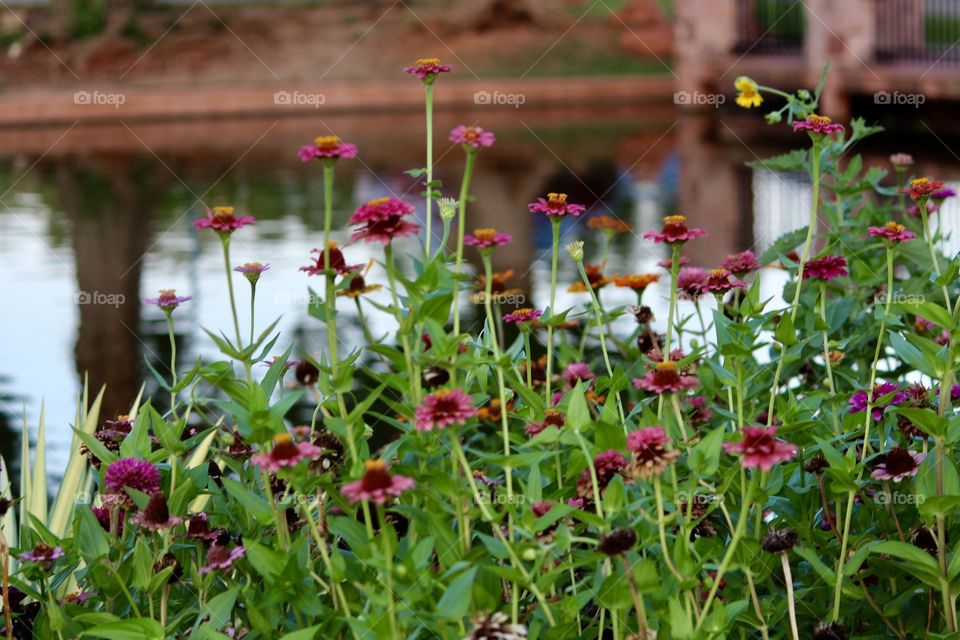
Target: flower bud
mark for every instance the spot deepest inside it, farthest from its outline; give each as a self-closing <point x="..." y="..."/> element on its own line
<point x="576" y="250"/>
<point x="448" y="208"/>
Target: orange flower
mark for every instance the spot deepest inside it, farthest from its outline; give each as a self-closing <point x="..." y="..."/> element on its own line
<point x="594" y="275"/>
<point x="636" y="281"/>
<point x="609" y="223"/>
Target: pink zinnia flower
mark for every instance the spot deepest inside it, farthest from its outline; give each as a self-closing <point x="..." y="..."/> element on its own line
<point x="252" y="270"/>
<point x="820" y="125"/>
<point x="474" y="137"/>
<point x="742" y="263"/>
<point x="825" y="267"/>
<point x="923" y="188"/>
<point x="198" y="527"/>
<point x="541" y="508"/>
<point x="674" y="231"/>
<point x="665" y="378"/>
<point x="897" y="464"/>
<point x="427" y="69"/>
<point x="691" y="282"/>
<point x="132" y="473"/>
<point x="156" y="515"/>
<point x="377" y="484"/>
<point x="43" y="554"/>
<point x="327" y="147"/>
<point x="221" y="557"/>
<point x="551" y="417"/>
<point x="576" y="372"/>
<point x="285" y="453"/>
<point x="444" y="408"/>
<point x="858" y="401"/>
<point x="608" y="465"/>
<point x="168" y="300"/>
<point x="700" y="413"/>
<point x="650" y="454"/>
<point x="555" y="205"/>
<point x="892" y="232"/>
<point x="901" y="159"/>
<point x="487" y="238"/>
<point x="521" y="316"/>
<point x="760" y="448"/>
<point x="223" y="220"/>
<point x="338" y="263"/>
<point x="719" y="282"/>
<point x="382" y="220"/>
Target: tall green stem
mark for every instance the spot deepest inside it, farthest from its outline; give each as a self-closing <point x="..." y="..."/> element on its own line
<point x="173" y="366"/>
<point x="554" y="260"/>
<point x="928" y="236"/>
<point x="401" y="331"/>
<point x="674" y="272"/>
<point x="253" y="308"/>
<point x="461" y="231"/>
<point x="598" y="313"/>
<point x="388" y="561"/>
<point x="225" y="243"/>
<point x="826" y="356"/>
<point x="429" y="104"/>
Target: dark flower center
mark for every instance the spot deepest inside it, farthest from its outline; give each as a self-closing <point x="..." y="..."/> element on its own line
<point x="666" y="375"/>
<point x="376" y="478"/>
<point x="284" y="448"/>
<point x="898" y="461"/>
<point x="156" y="511"/>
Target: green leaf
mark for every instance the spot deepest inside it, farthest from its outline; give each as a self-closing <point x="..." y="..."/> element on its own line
<point x="131" y="629"/>
<point x="705" y="457"/>
<point x="253" y="503"/>
<point x="457" y="598"/>
<point x="578" y="413"/>
<point x="303" y="634"/>
<point x="785" y="332"/>
<point x="926" y="420"/>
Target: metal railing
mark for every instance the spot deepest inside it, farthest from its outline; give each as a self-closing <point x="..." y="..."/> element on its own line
<point x="926" y="31"/>
<point x="773" y="27"/>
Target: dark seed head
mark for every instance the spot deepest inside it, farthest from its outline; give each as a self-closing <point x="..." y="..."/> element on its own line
<point x="829" y="631"/>
<point x="306" y="373"/>
<point x="817" y="464"/>
<point x="618" y="541"/>
<point x="435" y="377"/>
<point x="5" y="504"/>
<point x="779" y="540"/>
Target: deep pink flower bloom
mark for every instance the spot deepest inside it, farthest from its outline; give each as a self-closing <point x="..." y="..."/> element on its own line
<point x="897" y="464"/>
<point x="382" y="220"/>
<point x="700" y="413"/>
<point x="923" y="188"/>
<point x="168" y="300"/>
<point x="607" y="465"/>
<point x="444" y="408"/>
<point x="675" y="231"/>
<point x="555" y="205"/>
<point x="650" y="453"/>
<point x="760" y="448"/>
<point x="43" y="554"/>
<point x="521" y="316"/>
<point x="377" y="484"/>
<point x="858" y="402"/>
<point x="132" y="473"/>
<point x="817" y="125"/>
<point x="901" y="159"/>
<point x="541" y="508"/>
<point x="719" y="282"/>
<point x="337" y="262"/>
<point x="642" y="439"/>
<point x="667" y="263"/>
<point x="474" y="137"/>
<point x="156" y="515"/>
<point x="327" y="147"/>
<point x="221" y="557"/>
<point x="223" y="220"/>
<point x="665" y="378"/>
<point x="285" y="453"/>
<point x="943" y="193"/>
<point x="742" y="263"/>
<point x="691" y="282"/>
<point x="825" y="267"/>
<point x="198" y="527"/>
<point x="892" y="232"/>
<point x="487" y="238"/>
<point x="427" y="69"/>
<point x="252" y="270"/>
<point x="551" y="417"/>
<point x="578" y="371"/>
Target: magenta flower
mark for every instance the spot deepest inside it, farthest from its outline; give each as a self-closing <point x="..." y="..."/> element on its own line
<point x="168" y="300"/>
<point x="541" y="508"/>
<point x="555" y="205"/>
<point x="892" y="232"/>
<point x="691" y="282"/>
<point x="198" y="527"/>
<point x="719" y="282"/>
<point x="487" y="238"/>
<point x="674" y="231"/>
<point x="650" y="453"/>
<point x="285" y="453"/>
<point x="551" y="417"/>
<point x="156" y="515"/>
<point x="377" y="484"/>
<point x="577" y="372"/>
<point x="444" y="408"/>
<point x="923" y="188"/>
<point x="820" y="125"/>
<point x="427" y="69"/>
<point x="338" y="263"/>
<point x="473" y="137"/>
<point x="943" y="193"/>
<point x="221" y="557"/>
<point x="760" y="448"/>
<point x="742" y="263"/>
<point x="43" y="554"/>
<point x="327" y="148"/>
<point x="252" y="270"/>
<point x="901" y="159"/>
<point x="700" y="413"/>
<point x="859" y="401"/>
<point x="608" y="465"/>
<point x="897" y="464"/>
<point x="522" y="316"/>
<point x="825" y="267"/>
<point x="382" y="220"/>
<point x="222" y="220"/>
<point x="132" y="473"/>
<point x="665" y="378"/>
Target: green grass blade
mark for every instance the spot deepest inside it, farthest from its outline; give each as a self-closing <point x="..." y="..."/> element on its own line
<point x="38" y="498"/>
<point x="75" y="474"/>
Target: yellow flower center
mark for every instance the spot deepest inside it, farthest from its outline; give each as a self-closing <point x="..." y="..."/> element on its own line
<point x="719" y="273"/>
<point x="485" y="234"/>
<point x="675" y="220"/>
<point x="376" y="202"/>
<point x="426" y="62"/>
<point x="919" y="182"/>
<point x="281" y="438"/>
<point x="523" y="312"/>
<point x="821" y="119"/>
<point x="327" y="143"/>
<point x="895" y="227"/>
<point x="165" y="293"/>
<point x="746" y="85"/>
<point x="252" y="265"/>
<point x="223" y="212"/>
<point x="375" y="465"/>
<point x="558" y="199"/>
<point x="666" y="365"/>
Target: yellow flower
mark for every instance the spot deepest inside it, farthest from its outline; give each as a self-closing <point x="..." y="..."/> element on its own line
<point x="749" y="95"/>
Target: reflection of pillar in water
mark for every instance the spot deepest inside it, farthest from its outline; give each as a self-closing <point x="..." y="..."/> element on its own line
<point x="110" y="201"/>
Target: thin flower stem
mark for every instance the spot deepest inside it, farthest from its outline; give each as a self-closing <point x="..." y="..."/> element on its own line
<point x="876" y="357"/>
<point x="680" y="423"/>
<point x="5" y="568"/>
<point x="674" y="272"/>
<point x="526" y="348"/>
<point x="404" y="341"/>
<point x="928" y="236"/>
<point x="388" y="560"/>
<point x="428" y="90"/>
<point x="662" y="529"/>
<point x="598" y="503"/>
<point x="555" y="222"/>
<point x="637" y="599"/>
<point x="225" y="243"/>
<point x="826" y="356"/>
<point x="253" y="308"/>
<point x="791" y="603"/>
<point x="173" y="366"/>
<point x="794" y="305"/>
<point x="461" y="231"/>
<point x="764" y="631"/>
<point x="598" y="313"/>
<point x="123" y="587"/>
